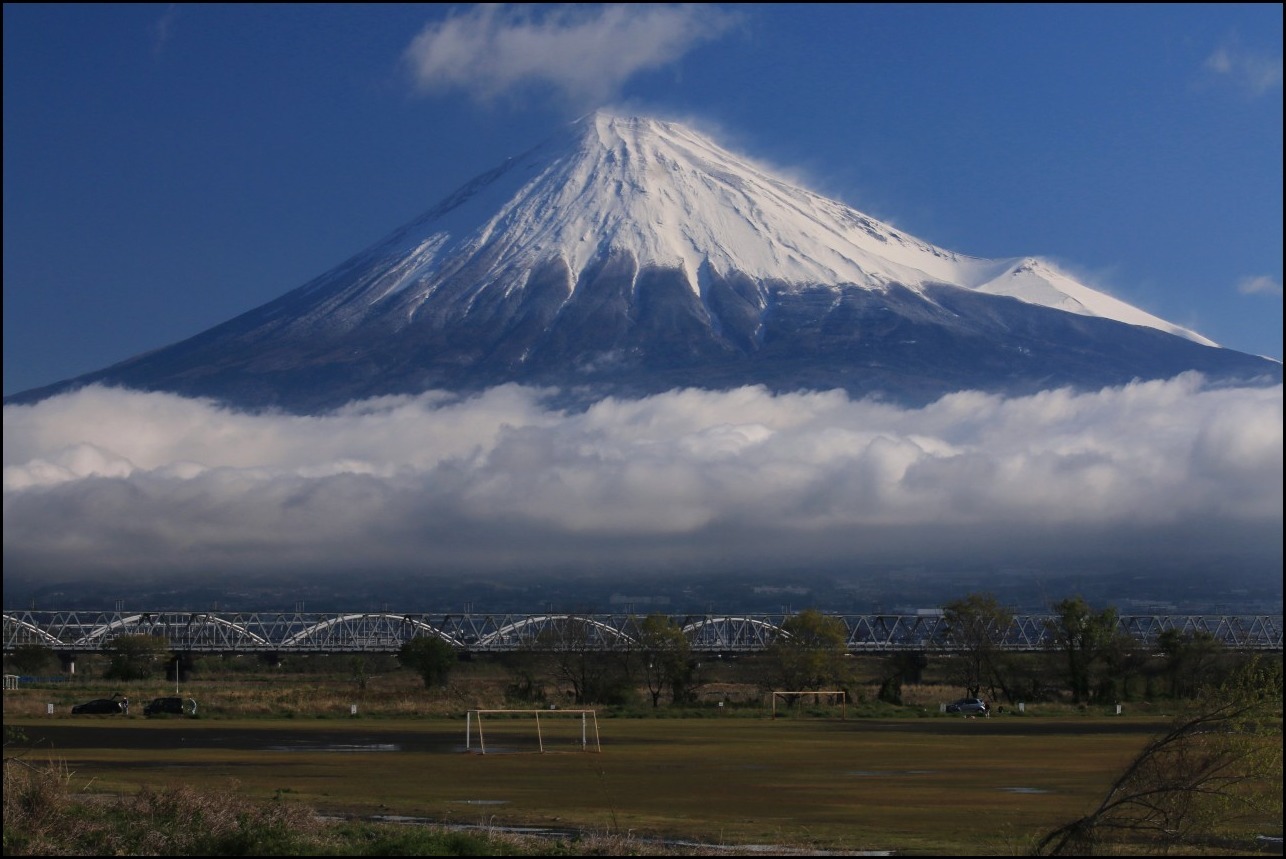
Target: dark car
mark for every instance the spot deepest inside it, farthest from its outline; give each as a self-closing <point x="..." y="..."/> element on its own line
<point x="101" y="705"/>
<point x="969" y="707"/>
<point x="170" y="706"/>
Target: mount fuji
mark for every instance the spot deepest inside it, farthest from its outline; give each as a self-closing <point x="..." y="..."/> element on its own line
<point x="627" y="256"/>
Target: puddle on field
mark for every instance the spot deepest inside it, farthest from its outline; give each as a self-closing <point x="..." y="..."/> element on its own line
<point x="479" y="801"/>
<point x="1024" y="790"/>
<point x="558" y="832"/>
<point x="336" y="747"/>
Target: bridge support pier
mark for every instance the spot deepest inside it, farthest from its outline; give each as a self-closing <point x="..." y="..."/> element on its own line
<point x="68" y="663"/>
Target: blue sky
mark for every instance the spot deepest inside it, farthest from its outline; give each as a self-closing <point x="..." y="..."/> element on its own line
<point x="167" y="168"/>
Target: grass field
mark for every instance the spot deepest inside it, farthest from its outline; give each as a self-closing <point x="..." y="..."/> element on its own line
<point x="954" y="786"/>
<point x="906" y="779"/>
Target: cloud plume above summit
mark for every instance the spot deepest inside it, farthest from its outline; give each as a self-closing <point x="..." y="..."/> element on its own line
<point x="105" y="481"/>
<point x="584" y="53"/>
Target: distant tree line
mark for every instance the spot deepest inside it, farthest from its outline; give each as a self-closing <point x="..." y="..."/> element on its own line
<point x="571" y="661"/>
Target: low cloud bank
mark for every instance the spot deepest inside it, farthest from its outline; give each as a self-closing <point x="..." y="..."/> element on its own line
<point x="108" y="481"/>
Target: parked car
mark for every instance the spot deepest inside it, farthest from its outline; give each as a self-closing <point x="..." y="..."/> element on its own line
<point x="171" y="706"/>
<point x="100" y="706"/>
<point x="969" y="707"/>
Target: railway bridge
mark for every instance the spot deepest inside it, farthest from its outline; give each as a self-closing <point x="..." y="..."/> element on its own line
<point x="206" y="632"/>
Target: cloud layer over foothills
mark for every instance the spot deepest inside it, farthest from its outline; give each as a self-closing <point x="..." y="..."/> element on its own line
<point x="183" y="164"/>
<point x="105" y="481"/>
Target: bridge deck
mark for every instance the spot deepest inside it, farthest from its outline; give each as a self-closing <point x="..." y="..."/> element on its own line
<point x="385" y="632"/>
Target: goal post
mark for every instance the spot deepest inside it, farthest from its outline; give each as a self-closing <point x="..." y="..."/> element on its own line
<point x="520" y="727"/>
<point x="831" y="696"/>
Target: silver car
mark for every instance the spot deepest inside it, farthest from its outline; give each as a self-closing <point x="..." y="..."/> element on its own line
<point x="969" y="707"/>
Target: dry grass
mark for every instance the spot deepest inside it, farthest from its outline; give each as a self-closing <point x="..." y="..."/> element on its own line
<point x="398" y="694"/>
<point x="731" y="776"/>
<point x="35" y="801"/>
<point x="44" y="815"/>
<point x="401" y="694"/>
<point x="821" y="784"/>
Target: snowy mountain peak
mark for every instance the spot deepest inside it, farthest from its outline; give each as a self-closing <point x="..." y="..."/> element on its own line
<point x="664" y="196"/>
<point x="671" y="198"/>
<point x="1039" y="281"/>
<point x="627" y="256"/>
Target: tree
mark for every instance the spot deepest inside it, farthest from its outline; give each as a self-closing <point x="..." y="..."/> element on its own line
<point x="136" y="657"/>
<point x="589" y="658"/>
<point x="1190" y="659"/>
<point x="666" y="657"/>
<point x="30" y="658"/>
<point x="901" y="667"/>
<point x="977" y="625"/>
<point x="811" y="653"/>
<point x="366" y="665"/>
<point x="1087" y="640"/>
<point x="430" y="657"/>
<point x="1217" y="765"/>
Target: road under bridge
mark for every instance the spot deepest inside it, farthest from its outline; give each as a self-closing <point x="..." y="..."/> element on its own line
<point x="77" y="632"/>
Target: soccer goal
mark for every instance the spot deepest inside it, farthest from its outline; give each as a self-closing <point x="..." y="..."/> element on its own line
<point x="531" y="731"/>
<point x="827" y="698"/>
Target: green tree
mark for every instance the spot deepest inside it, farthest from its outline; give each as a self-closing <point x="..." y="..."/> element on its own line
<point x="1190" y="660"/>
<point x="1217" y="767"/>
<point x="811" y="653"/>
<point x="430" y="657"/>
<point x="1088" y="640"/>
<point x="136" y="657"/>
<point x="977" y="626"/>
<point x="666" y="658"/>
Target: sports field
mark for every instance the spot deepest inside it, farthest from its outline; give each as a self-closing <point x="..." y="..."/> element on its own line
<point x="929" y="785"/>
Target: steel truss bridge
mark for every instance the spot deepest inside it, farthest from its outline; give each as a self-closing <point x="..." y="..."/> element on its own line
<point x="72" y="632"/>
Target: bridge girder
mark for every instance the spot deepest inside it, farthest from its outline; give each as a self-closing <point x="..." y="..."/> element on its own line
<point x="344" y="632"/>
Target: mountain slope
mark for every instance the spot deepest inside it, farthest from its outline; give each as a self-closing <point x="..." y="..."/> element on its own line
<point x="627" y="255"/>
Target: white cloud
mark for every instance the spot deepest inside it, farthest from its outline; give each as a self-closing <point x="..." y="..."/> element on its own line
<point x="109" y="480"/>
<point x="1259" y="285"/>
<point x="163" y="29"/>
<point x="1257" y="73"/>
<point x="585" y="52"/>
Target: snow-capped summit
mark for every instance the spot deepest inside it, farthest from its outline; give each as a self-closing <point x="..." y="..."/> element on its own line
<point x="628" y="255"/>
<point x="670" y="198"/>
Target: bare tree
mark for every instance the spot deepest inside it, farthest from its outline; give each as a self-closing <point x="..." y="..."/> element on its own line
<point x="977" y="625"/>
<point x="588" y="659"/>
<point x="1218" y="764"/>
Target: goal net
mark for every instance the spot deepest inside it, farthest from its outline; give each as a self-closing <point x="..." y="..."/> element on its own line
<point x="511" y="731"/>
<point x="796" y="701"/>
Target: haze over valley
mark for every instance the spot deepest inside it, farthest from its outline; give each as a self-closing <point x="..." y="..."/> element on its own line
<point x="623" y="363"/>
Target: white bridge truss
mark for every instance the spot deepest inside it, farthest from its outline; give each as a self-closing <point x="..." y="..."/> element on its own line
<point x="384" y="632"/>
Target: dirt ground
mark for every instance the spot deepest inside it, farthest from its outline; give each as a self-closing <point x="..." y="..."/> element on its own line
<point x="179" y="734"/>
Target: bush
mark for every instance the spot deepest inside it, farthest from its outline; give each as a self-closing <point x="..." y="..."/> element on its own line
<point x="44" y="817"/>
<point x="136" y="657"/>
